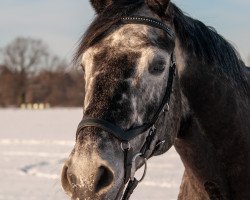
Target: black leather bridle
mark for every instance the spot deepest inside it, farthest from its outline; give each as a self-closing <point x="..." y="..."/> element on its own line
<point x="125" y="136"/>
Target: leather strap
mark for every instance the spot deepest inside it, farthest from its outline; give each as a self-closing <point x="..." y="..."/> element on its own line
<point x="150" y="22"/>
<point x="128" y="156"/>
<point x="130" y="189"/>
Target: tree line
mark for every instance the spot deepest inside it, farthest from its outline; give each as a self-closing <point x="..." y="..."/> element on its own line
<point x="30" y="73"/>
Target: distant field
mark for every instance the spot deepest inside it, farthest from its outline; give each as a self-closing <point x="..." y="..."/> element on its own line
<point x="34" y="145"/>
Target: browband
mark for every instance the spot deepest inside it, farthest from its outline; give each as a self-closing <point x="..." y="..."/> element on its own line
<point x="148" y="21"/>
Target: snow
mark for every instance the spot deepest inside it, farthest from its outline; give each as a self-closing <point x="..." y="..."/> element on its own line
<point x="34" y="145"/>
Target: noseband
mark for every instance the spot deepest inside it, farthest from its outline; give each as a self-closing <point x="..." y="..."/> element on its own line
<point x="125" y="136"/>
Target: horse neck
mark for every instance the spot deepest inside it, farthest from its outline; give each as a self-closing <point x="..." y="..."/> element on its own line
<point x="218" y="134"/>
<point x="219" y="106"/>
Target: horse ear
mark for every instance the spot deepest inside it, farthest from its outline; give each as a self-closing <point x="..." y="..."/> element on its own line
<point x="158" y="6"/>
<point x="100" y="5"/>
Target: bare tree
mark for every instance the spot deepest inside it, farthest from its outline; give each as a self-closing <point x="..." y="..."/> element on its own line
<point x="9" y="87"/>
<point x="57" y="87"/>
<point x="25" y="54"/>
<point x="26" y="57"/>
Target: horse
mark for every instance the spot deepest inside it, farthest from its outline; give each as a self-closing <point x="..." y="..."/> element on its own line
<point x="157" y="78"/>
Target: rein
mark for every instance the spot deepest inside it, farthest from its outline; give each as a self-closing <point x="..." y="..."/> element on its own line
<point x="125" y="136"/>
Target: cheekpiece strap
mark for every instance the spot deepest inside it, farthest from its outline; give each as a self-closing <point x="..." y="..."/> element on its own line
<point x="130" y="189"/>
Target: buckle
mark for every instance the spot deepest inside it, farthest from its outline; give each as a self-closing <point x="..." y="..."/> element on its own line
<point x="166" y="108"/>
<point x="125" y="146"/>
<point x="152" y="130"/>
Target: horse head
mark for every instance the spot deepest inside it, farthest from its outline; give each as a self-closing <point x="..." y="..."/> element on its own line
<point x="132" y="105"/>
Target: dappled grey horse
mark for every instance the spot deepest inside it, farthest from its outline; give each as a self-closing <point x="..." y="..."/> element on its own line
<point x="154" y="78"/>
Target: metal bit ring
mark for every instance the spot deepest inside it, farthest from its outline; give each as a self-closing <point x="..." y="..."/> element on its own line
<point x="133" y="168"/>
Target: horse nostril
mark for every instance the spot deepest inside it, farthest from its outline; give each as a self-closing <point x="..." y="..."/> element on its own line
<point x="65" y="181"/>
<point x="104" y="178"/>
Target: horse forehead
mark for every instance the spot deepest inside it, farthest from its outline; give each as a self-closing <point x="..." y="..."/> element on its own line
<point x="129" y="37"/>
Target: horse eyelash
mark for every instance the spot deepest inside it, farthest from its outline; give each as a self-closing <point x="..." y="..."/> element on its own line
<point x="82" y="67"/>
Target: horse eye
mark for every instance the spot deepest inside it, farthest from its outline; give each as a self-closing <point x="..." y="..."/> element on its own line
<point x="157" y="67"/>
<point x="83" y="67"/>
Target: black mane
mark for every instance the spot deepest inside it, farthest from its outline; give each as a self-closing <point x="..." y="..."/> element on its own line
<point x="208" y="46"/>
<point x="203" y="41"/>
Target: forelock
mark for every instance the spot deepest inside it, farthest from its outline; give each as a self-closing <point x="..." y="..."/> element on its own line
<point x="105" y="23"/>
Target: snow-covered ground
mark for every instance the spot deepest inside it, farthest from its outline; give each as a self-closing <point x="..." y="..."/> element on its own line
<point x="34" y="145"/>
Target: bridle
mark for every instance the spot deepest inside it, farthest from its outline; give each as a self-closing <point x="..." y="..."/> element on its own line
<point x="125" y="136"/>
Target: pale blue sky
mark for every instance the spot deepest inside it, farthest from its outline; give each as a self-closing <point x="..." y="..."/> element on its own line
<point x="60" y="23"/>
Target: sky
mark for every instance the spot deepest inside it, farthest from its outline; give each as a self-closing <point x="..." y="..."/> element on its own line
<point x="60" y="23"/>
